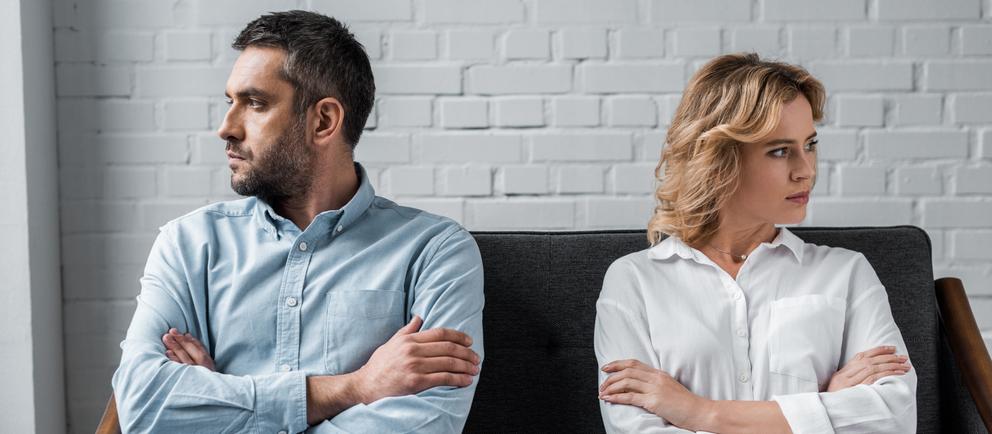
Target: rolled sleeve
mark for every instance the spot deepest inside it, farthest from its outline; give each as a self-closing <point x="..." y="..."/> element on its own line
<point x="805" y="413"/>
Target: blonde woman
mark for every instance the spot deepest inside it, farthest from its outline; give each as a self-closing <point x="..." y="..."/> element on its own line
<point x="731" y="324"/>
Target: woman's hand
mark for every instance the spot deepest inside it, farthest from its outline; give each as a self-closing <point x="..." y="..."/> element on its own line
<point x="868" y="367"/>
<point x="634" y="383"/>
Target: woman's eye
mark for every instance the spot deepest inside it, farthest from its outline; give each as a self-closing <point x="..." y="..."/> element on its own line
<point x="780" y="152"/>
<point x="811" y="146"/>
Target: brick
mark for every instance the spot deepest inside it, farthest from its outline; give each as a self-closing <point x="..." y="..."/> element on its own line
<point x="413" y="45"/>
<point x="88" y="80"/>
<point x="583" y="43"/>
<point x="410" y="181"/>
<point x="640" y="43"/>
<point x="957" y="75"/>
<point x="917" y="109"/>
<point x="621" y="78"/>
<point x="93" y="351"/>
<point x="186" y="115"/>
<point x="697" y="42"/>
<point x="371" y="39"/>
<point x="76" y="115"/>
<point x="911" y="181"/>
<point x="115" y="14"/>
<point x="974" y="179"/>
<point x="812" y="10"/>
<point x="405" y="111"/>
<point x="812" y="42"/>
<point x="837" y="144"/>
<point x="862" y="181"/>
<point x="864" y="75"/>
<point x="585" y="11"/>
<point x="650" y="144"/>
<point x="527" y="44"/>
<point x="976" y="280"/>
<point x="358" y="10"/>
<point x="128" y="182"/>
<point x="870" y="41"/>
<point x="466" y="181"/>
<point x="916" y="144"/>
<point x="618" y="213"/>
<point x="972" y="245"/>
<point x="186" y="181"/>
<point x="470" y="44"/>
<point x="383" y="148"/>
<point x="821" y="182"/>
<point x="450" y="208"/>
<point x="518" y="79"/>
<point x="172" y="81"/>
<point x="580" y="179"/>
<point x="469" y="147"/>
<point x="527" y="214"/>
<point x="208" y="149"/>
<point x="464" y="113"/>
<point x="473" y="11"/>
<point x="187" y="45"/>
<point x="144" y="149"/>
<point x="103" y="317"/>
<point x="592" y="146"/>
<point x="407" y="79"/>
<point x="957" y="213"/>
<point x="157" y="213"/>
<point x="106" y="249"/>
<point x="693" y="11"/>
<point x="78" y="216"/>
<point x="635" y="178"/>
<point x="937" y="243"/>
<point x="927" y="10"/>
<point x="972" y="108"/>
<point x="976" y="40"/>
<point x="879" y="212"/>
<point x="519" y="112"/>
<point x="575" y="111"/>
<point x="860" y="110"/>
<point x="79" y="183"/>
<point x="926" y="40"/>
<point x="985" y="144"/>
<point x="524" y="179"/>
<point x="982" y="309"/>
<point x="89" y="282"/>
<point x="761" y="40"/>
<point x="631" y="111"/>
<point x="84" y="46"/>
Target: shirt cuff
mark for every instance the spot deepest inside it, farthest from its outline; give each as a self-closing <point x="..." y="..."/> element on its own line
<point x="281" y="402"/>
<point x="805" y="413"/>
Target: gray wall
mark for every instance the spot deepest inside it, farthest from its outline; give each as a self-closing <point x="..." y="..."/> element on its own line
<point x="514" y="114"/>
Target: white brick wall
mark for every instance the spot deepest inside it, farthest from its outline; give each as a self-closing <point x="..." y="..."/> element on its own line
<point x="488" y="110"/>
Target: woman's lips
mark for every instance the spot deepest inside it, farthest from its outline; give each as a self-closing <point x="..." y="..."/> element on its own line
<point x="801" y="198"/>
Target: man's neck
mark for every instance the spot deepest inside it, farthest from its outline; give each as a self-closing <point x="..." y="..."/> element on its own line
<point x="331" y="189"/>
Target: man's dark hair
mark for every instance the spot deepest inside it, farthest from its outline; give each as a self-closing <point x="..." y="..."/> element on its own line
<point x="323" y="59"/>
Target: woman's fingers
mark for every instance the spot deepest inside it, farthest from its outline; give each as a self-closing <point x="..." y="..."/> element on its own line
<point x="625" y="385"/>
<point x="878" y="376"/>
<point x="877" y="351"/>
<point x="629" y="398"/>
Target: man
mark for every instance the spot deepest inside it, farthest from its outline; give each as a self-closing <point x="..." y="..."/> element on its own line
<point x="285" y="311"/>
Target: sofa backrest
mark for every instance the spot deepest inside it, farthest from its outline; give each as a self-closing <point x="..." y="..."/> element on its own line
<point x="539" y="374"/>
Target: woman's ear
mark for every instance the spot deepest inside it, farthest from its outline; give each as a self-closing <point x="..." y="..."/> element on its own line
<point x="329" y="122"/>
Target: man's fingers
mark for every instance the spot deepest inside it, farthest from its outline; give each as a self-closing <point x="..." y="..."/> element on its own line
<point x="450" y="349"/>
<point x="411" y="327"/>
<point x="441" y="335"/>
<point x="445" y="379"/>
<point x="192" y="347"/>
<point x="172" y="356"/>
<point x="183" y="357"/>
<point x="448" y="364"/>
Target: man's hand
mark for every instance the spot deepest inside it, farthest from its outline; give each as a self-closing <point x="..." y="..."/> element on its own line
<point x="413" y="361"/>
<point x="868" y="367"/>
<point x="633" y="383"/>
<point x="184" y="348"/>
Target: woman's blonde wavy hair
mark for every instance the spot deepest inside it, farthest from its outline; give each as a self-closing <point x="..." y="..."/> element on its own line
<point x="732" y="100"/>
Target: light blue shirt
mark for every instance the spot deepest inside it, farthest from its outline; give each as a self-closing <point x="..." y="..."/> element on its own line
<point x="273" y="305"/>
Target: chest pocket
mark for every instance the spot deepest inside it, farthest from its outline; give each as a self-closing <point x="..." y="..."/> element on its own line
<point x="358" y="322"/>
<point x="805" y="336"/>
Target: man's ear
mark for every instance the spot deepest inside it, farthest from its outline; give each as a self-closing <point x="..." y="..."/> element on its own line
<point x="328" y="127"/>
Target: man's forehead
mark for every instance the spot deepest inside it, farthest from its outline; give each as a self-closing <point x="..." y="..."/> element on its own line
<point x="257" y="66"/>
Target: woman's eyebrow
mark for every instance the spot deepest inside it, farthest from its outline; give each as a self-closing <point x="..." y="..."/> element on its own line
<point x="787" y="141"/>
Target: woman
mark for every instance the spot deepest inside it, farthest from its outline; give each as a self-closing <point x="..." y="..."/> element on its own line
<point x="731" y="324"/>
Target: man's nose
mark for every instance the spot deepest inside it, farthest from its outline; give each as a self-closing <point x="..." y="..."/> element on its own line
<point x="231" y="129"/>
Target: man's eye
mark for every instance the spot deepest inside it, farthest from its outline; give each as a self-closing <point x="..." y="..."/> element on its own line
<point x="254" y="103"/>
<point x="228" y="101"/>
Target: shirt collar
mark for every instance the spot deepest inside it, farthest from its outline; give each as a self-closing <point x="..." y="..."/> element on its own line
<point x="270" y="221"/>
<point x="673" y="246"/>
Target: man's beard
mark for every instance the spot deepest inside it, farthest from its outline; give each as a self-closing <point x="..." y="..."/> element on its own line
<point x="284" y="171"/>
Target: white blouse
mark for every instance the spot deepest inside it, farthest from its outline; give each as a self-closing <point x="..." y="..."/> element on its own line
<point x="796" y="313"/>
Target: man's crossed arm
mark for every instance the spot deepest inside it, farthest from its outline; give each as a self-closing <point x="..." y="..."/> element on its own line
<point x="410" y="362"/>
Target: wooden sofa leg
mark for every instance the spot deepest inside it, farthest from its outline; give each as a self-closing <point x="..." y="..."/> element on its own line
<point x="965" y="340"/>
<point x="109" y="423"/>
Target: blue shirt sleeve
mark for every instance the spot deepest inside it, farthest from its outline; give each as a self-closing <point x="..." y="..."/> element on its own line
<point x="448" y="293"/>
<point x="155" y="394"/>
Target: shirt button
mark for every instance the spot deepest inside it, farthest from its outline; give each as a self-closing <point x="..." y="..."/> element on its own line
<point x="743" y="378"/>
<point x="303" y="246"/>
<point x="737" y="295"/>
<point x="741" y="332"/>
<point x="283" y="432"/>
<point x="285" y="368"/>
<point x="291" y="301"/>
<point x="340" y="227"/>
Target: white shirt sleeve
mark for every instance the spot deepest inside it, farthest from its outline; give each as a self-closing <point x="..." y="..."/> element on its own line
<point x="888" y="405"/>
<point x="621" y="332"/>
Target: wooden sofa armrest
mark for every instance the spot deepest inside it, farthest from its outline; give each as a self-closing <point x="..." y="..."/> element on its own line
<point x="966" y="344"/>
<point x="109" y="423"/>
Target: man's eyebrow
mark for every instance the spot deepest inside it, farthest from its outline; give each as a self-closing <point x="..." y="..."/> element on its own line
<point x="249" y="92"/>
<point x="787" y="141"/>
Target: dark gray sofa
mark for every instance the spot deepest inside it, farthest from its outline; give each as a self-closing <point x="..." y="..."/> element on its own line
<point x="541" y="288"/>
